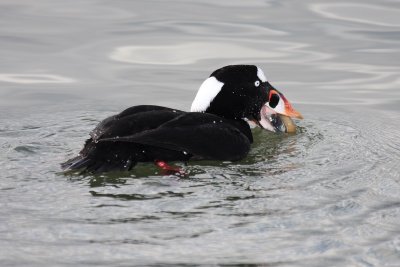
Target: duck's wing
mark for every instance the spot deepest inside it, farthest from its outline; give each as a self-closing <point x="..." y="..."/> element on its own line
<point x="100" y="156"/>
<point x="133" y="120"/>
<point x="205" y="136"/>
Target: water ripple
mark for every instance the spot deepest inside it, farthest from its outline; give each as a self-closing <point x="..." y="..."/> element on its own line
<point x="361" y="13"/>
<point x="192" y="52"/>
<point x="328" y="195"/>
<point x="33" y="78"/>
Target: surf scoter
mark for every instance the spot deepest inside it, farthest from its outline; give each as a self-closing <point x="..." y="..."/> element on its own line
<point x="216" y="128"/>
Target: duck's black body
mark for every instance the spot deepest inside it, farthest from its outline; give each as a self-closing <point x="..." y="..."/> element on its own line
<point x="216" y="129"/>
<point x="148" y="133"/>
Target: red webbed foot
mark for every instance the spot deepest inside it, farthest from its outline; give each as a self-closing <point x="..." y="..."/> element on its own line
<point x="168" y="169"/>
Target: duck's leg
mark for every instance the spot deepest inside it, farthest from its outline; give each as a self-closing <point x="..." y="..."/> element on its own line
<point x="169" y="169"/>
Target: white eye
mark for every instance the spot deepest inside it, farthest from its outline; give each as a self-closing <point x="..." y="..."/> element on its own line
<point x="257" y="83"/>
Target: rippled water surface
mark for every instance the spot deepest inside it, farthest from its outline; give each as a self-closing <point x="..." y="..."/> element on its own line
<point x="328" y="196"/>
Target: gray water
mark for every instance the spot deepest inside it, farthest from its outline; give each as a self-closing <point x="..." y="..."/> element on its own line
<point x="327" y="196"/>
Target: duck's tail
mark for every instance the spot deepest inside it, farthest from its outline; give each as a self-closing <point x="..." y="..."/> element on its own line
<point x="76" y="163"/>
<point x="89" y="165"/>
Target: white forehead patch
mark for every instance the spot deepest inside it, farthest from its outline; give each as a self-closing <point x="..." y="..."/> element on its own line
<point x="208" y="90"/>
<point x="261" y="75"/>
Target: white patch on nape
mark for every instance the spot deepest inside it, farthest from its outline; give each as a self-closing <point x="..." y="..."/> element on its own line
<point x="208" y="90"/>
<point x="261" y="75"/>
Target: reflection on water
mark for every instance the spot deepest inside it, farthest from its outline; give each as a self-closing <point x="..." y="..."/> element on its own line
<point x="33" y="78"/>
<point x="325" y="196"/>
<point x="191" y="53"/>
<point x="187" y="53"/>
<point x="362" y="13"/>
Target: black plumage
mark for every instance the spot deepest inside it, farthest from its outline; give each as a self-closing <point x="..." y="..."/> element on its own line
<point x="148" y="133"/>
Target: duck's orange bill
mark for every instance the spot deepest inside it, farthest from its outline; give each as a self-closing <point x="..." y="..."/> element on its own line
<point x="287" y="108"/>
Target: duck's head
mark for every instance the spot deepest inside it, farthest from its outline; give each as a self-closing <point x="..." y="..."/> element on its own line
<point x="243" y="92"/>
